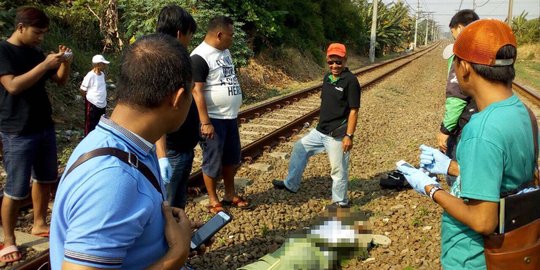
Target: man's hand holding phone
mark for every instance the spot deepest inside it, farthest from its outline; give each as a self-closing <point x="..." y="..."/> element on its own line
<point x="205" y="232"/>
<point x="195" y="225"/>
<point x="416" y="178"/>
<point x="177" y="230"/>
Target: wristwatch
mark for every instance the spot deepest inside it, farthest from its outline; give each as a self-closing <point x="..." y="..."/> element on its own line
<point x="349" y="135"/>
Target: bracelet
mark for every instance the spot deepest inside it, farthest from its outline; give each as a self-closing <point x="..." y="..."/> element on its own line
<point x="205" y="124"/>
<point x="432" y="192"/>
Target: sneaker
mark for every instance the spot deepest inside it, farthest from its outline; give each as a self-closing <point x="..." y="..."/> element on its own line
<point x="335" y="205"/>
<point x="278" y="184"/>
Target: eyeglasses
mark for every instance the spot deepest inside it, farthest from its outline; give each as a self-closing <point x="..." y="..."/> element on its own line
<point x="339" y="63"/>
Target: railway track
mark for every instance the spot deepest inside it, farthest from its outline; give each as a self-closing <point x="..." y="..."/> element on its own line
<point x="290" y="105"/>
<point x="302" y="106"/>
<point x="265" y="125"/>
<point x="528" y="94"/>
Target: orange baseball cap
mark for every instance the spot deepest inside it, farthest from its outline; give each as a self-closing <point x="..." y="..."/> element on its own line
<point x="480" y="41"/>
<point x="336" y="49"/>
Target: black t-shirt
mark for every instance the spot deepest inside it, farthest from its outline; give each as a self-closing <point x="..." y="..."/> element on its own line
<point x="29" y="111"/>
<point x="337" y="99"/>
<point x="187" y="136"/>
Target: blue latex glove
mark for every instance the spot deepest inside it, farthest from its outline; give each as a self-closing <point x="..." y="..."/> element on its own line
<point x="165" y="169"/>
<point x="417" y="179"/>
<point x="434" y="160"/>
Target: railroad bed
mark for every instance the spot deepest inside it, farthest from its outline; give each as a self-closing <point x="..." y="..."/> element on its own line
<point x="396" y="116"/>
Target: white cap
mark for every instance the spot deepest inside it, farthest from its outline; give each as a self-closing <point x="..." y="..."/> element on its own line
<point x="98" y="58"/>
<point x="448" y="51"/>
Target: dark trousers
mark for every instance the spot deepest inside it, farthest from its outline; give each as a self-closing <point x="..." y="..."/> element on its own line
<point x="92" y="115"/>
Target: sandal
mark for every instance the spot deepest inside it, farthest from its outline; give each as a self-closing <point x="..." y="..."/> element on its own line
<point x="7" y="251"/>
<point x="216" y="208"/>
<point x="237" y="202"/>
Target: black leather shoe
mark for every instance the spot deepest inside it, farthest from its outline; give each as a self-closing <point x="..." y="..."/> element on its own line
<point x="278" y="184"/>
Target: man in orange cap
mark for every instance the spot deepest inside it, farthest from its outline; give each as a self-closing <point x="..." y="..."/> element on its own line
<point x="496" y="152"/>
<point x="340" y="100"/>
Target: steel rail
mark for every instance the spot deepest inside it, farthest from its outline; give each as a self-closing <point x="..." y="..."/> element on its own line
<point x="527" y="93"/>
<point x="257" y="111"/>
<point x="252" y="150"/>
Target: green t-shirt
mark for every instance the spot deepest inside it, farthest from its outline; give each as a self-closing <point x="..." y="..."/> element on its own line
<point x="495" y="154"/>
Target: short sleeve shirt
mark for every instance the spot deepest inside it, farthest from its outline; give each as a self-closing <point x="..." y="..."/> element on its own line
<point x="106" y="213"/>
<point x="29" y="111"/>
<point x="96" y="89"/>
<point x="337" y="99"/>
<point x="495" y="155"/>
<point x="222" y="91"/>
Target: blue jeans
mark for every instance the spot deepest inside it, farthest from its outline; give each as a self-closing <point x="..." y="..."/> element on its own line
<point x="313" y="143"/>
<point x="181" y="163"/>
<point x="29" y="155"/>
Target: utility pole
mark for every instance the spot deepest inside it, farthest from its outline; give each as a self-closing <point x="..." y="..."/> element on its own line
<point x="427" y="29"/>
<point x="416" y="22"/>
<point x="373" y="32"/>
<point x="509" y="18"/>
<point x="473" y="5"/>
<point x="427" y="26"/>
<point x="433" y="27"/>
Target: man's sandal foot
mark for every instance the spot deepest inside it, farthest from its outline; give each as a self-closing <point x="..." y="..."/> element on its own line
<point x="216" y="208"/>
<point x="7" y="251"/>
<point x="238" y="202"/>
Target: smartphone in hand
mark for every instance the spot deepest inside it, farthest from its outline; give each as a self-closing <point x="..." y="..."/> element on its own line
<point x="209" y="229"/>
<point x="404" y="163"/>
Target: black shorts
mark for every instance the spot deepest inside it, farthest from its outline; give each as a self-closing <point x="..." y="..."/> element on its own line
<point x="223" y="149"/>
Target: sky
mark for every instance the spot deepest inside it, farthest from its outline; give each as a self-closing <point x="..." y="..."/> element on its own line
<point x="498" y="9"/>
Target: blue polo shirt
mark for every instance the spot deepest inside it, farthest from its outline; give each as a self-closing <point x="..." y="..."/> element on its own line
<point x="106" y="213"/>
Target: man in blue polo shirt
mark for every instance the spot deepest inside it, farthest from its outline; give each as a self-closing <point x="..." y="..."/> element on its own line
<point x="107" y="214"/>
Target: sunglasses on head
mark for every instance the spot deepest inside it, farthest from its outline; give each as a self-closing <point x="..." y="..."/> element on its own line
<point x="330" y="62"/>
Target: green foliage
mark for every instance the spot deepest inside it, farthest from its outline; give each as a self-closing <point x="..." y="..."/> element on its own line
<point x="344" y="23"/>
<point x="308" y="25"/>
<point x="76" y="24"/>
<point x="139" y="17"/>
<point x="7" y="15"/>
<point x="393" y="27"/>
<point x="526" y="31"/>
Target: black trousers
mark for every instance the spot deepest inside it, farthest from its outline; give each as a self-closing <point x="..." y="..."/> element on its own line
<point x="92" y="115"/>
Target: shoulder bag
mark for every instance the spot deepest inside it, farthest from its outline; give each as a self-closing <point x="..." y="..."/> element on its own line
<point x="516" y="246"/>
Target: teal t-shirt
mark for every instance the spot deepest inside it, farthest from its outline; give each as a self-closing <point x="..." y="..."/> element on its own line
<point x="495" y="154"/>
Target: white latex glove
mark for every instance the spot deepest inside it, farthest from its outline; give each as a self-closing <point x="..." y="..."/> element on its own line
<point x="165" y="169"/>
<point x="434" y="160"/>
<point x="417" y="179"/>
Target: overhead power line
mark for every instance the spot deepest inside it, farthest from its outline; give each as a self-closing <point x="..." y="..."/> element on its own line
<point x="482" y="4"/>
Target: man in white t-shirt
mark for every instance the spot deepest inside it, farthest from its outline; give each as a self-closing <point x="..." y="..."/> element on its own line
<point x="94" y="90"/>
<point x="218" y="97"/>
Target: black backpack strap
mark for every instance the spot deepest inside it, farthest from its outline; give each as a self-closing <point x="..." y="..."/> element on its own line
<point x="128" y="158"/>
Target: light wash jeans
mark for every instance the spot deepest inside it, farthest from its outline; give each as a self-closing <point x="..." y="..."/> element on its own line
<point x="313" y="143"/>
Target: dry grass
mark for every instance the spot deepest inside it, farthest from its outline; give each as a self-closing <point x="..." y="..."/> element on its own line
<point x="528" y="65"/>
<point x="529" y="52"/>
